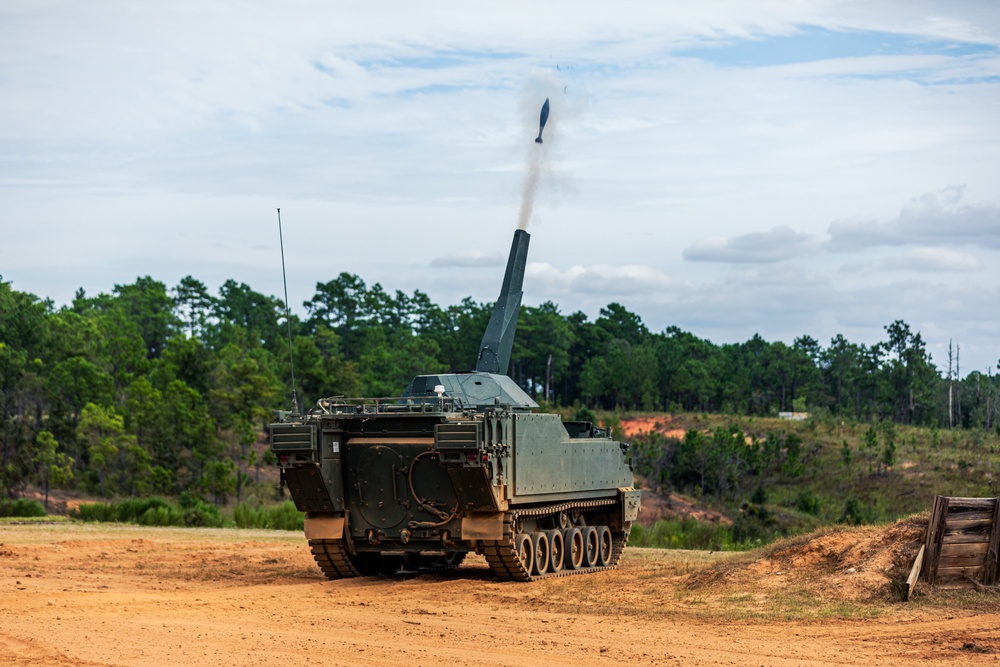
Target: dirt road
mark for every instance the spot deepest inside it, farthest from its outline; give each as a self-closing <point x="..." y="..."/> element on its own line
<point x="123" y="595"/>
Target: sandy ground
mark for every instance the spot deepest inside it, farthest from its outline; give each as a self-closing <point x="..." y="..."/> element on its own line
<point x="126" y="595"/>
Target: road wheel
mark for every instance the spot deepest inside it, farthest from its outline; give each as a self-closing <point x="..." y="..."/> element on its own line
<point x="573" y="545"/>
<point x="605" y="545"/>
<point x="557" y="550"/>
<point x="449" y="561"/>
<point x="525" y="551"/>
<point x="453" y="559"/>
<point x="540" y="542"/>
<point x="591" y="545"/>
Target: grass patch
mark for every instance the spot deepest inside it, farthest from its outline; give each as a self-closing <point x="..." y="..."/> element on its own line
<point x="190" y="512"/>
<point x="840" y="471"/>
<point x="22" y="508"/>
<point x="277" y="517"/>
<point x="970" y="600"/>
<point x="684" y="533"/>
<point x="22" y="520"/>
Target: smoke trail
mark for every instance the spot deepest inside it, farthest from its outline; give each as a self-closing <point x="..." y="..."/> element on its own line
<point x="538" y="161"/>
<point x="534" y="167"/>
<point x="533" y="173"/>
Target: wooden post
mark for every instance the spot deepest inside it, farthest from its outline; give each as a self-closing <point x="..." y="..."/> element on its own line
<point x="935" y="530"/>
<point x="929" y="537"/>
<point x="911" y="581"/>
<point x="992" y="572"/>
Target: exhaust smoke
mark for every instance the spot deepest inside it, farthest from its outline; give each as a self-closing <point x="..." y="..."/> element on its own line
<point x="536" y="157"/>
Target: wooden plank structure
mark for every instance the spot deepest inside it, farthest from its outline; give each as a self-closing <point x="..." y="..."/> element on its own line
<point x="911" y="581"/>
<point x="963" y="538"/>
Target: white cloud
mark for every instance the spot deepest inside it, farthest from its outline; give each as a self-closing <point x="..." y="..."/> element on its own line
<point x="605" y="279"/>
<point x="138" y="138"/>
<point x="940" y="218"/>
<point x="934" y="259"/>
<point x="781" y="303"/>
<point x="756" y="247"/>
<point x="475" y="258"/>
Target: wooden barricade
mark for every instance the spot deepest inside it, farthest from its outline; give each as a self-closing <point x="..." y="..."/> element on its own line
<point x="963" y="537"/>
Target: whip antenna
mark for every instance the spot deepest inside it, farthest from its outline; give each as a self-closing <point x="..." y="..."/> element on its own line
<point x="288" y="320"/>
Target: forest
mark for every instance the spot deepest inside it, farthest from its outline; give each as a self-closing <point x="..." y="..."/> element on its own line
<point x="164" y="390"/>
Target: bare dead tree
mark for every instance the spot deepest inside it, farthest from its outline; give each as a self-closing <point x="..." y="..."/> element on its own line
<point x="951" y="412"/>
<point x="958" y="376"/>
<point x="989" y="394"/>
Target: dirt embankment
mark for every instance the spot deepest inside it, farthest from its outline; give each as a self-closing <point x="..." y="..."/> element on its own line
<point x="118" y="595"/>
<point x="848" y="564"/>
<point x="663" y="425"/>
<point x="657" y="507"/>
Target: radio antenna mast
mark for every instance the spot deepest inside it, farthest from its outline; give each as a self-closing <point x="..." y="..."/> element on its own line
<point x="288" y="320"/>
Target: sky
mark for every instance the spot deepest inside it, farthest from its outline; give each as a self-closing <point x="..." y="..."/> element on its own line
<point x="730" y="168"/>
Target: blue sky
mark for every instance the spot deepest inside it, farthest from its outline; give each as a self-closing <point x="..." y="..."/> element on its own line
<point x="812" y="43"/>
<point x="729" y="168"/>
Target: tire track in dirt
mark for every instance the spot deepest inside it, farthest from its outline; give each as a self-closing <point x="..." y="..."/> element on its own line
<point x="75" y="595"/>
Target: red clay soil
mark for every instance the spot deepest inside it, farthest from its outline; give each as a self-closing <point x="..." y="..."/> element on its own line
<point x="80" y="595"/>
<point x="656" y="507"/>
<point x="661" y="424"/>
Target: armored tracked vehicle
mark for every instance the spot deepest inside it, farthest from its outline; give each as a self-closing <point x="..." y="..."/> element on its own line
<point x="458" y="463"/>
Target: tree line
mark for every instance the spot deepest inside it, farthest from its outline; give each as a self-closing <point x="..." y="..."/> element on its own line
<point x="150" y="389"/>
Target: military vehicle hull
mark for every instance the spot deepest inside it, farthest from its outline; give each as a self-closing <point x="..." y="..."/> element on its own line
<point x="398" y="484"/>
<point x="458" y="463"/>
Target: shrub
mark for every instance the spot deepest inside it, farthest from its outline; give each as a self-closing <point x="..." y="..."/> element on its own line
<point x="686" y="533"/>
<point x="246" y="517"/>
<point x="130" y="510"/>
<point x="808" y="502"/>
<point x="151" y="512"/>
<point x="198" y="513"/>
<point x="162" y="516"/>
<point x="279" y="517"/>
<point x="855" y="513"/>
<point x="94" y="512"/>
<point x="286" y="517"/>
<point x="755" y="525"/>
<point x="22" y="507"/>
<point x="192" y="512"/>
<point x="202" y="514"/>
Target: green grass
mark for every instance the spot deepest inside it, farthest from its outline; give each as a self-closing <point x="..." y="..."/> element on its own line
<point x="686" y="533"/>
<point x="277" y="517"/>
<point x="22" y="507"/>
<point x="48" y="518"/>
<point x="927" y="462"/>
<point x="190" y="513"/>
